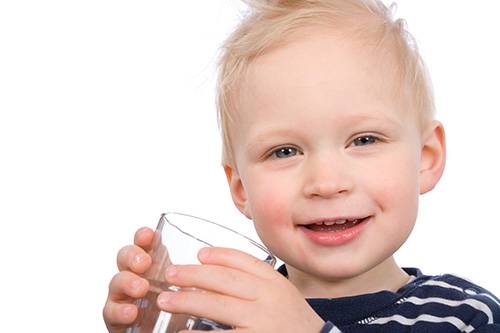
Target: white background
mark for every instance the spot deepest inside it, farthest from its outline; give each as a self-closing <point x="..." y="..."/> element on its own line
<point x="107" y="119"/>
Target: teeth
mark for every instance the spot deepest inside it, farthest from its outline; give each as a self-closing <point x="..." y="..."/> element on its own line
<point x="333" y="222"/>
<point x="344" y="221"/>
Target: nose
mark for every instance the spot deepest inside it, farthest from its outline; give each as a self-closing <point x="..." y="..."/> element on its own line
<point x="326" y="177"/>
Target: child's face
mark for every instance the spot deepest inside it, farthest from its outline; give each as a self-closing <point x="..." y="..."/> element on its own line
<point x="318" y="136"/>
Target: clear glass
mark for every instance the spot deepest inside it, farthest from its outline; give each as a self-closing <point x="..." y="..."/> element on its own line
<point x="178" y="238"/>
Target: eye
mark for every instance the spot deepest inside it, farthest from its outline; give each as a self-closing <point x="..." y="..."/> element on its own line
<point x="284" y="152"/>
<point x="365" y="140"/>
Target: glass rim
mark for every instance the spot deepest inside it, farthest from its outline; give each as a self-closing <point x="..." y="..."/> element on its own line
<point x="164" y="218"/>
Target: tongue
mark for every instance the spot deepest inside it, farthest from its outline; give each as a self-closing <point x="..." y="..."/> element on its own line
<point x="333" y="227"/>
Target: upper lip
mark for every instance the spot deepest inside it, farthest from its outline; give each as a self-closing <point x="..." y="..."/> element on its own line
<point x="334" y="219"/>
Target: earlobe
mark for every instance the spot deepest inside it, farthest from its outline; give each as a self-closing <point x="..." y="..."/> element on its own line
<point x="237" y="190"/>
<point x="433" y="157"/>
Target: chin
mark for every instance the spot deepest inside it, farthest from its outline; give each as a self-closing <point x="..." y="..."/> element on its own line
<point x="341" y="268"/>
<point x="340" y="273"/>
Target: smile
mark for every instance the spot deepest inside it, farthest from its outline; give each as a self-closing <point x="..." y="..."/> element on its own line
<point x="335" y="225"/>
<point x="332" y="232"/>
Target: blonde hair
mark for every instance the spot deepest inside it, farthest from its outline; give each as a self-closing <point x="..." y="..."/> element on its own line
<point x="270" y="22"/>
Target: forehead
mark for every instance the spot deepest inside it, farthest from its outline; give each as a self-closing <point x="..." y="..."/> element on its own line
<point x="322" y="71"/>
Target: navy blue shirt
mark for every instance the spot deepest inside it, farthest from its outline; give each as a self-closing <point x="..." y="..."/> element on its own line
<point x="441" y="304"/>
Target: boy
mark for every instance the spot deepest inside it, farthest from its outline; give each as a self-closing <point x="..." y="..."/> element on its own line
<point x="329" y="139"/>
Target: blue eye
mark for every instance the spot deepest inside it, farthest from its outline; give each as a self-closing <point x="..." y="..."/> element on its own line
<point x="365" y="140"/>
<point x="284" y="152"/>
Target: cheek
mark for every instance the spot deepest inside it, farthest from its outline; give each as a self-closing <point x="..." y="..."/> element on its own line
<point x="267" y="194"/>
<point x="399" y="193"/>
<point x="398" y="175"/>
<point x="270" y="206"/>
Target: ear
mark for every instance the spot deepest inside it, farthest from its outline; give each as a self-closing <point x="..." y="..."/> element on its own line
<point x="237" y="190"/>
<point x="433" y="156"/>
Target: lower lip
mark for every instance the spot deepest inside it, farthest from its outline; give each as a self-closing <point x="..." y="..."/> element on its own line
<point x="334" y="238"/>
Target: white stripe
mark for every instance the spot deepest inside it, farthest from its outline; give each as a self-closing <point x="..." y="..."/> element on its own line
<point x="335" y="330"/>
<point x="490" y="297"/>
<point x="467" y="291"/>
<point x="442" y="284"/>
<point x="480" y="306"/>
<point x="473" y="292"/>
<point x="425" y="317"/>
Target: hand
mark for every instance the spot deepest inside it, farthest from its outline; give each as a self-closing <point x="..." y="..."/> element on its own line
<point x="126" y="286"/>
<point x="239" y="290"/>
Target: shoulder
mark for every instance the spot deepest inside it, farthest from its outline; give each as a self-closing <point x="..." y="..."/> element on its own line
<point x="450" y="296"/>
<point x="451" y="287"/>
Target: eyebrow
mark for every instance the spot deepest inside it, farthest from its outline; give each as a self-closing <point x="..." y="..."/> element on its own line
<point x="274" y="132"/>
<point x="362" y="118"/>
<point x="267" y="135"/>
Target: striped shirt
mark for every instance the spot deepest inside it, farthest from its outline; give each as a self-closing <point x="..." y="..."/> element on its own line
<point x="442" y="304"/>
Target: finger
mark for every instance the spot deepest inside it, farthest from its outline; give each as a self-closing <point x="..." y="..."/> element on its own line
<point x="144" y="238"/>
<point x="133" y="258"/>
<point x="236" y="259"/>
<point x="118" y="315"/>
<point x="125" y="286"/>
<point x="219" y="279"/>
<point x="220" y="308"/>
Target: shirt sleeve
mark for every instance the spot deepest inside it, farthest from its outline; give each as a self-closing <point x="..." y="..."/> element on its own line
<point x="329" y="327"/>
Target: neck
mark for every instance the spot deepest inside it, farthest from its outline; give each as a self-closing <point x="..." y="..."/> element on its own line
<point x="385" y="276"/>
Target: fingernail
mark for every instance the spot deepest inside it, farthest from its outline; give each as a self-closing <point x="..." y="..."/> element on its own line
<point x="163" y="299"/>
<point x="171" y="271"/>
<point x="136" y="284"/>
<point x="204" y="253"/>
<point x="138" y="259"/>
<point x="128" y="310"/>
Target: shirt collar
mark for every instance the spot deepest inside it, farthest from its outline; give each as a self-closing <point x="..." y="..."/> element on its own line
<point x="355" y="308"/>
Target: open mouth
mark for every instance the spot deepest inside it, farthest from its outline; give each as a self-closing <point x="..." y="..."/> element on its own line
<point x="335" y="225"/>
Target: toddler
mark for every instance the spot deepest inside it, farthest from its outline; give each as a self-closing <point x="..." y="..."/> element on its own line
<point x="329" y="135"/>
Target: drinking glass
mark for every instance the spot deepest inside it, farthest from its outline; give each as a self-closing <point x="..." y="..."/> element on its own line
<point x="177" y="240"/>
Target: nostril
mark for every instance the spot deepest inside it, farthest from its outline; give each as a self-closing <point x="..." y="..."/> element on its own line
<point x="324" y="179"/>
<point x="324" y="190"/>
